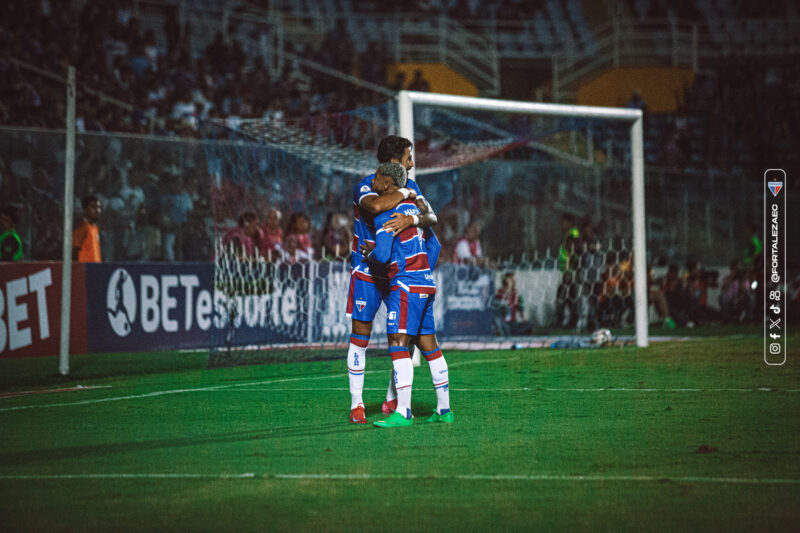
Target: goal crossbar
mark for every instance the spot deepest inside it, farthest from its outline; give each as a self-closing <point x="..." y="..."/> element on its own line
<point x="407" y="100"/>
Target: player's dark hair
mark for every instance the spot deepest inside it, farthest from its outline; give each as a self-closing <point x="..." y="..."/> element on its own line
<point x="392" y="147"/>
<point x="89" y="199"/>
<point x="568" y="217"/>
<point x="11" y="212"/>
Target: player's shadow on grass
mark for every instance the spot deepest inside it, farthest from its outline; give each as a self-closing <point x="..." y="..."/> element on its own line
<point x="26" y="457"/>
<point x="419" y="409"/>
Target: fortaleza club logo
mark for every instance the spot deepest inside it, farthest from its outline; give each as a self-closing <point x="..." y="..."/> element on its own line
<point x="121" y="302"/>
<point x="775" y="187"/>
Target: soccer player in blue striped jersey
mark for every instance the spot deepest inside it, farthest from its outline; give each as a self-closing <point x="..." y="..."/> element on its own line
<point x="367" y="291"/>
<point x="405" y="259"/>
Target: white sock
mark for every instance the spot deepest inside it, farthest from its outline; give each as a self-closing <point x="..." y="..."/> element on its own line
<point x="440" y="377"/>
<point x="356" y="361"/>
<point x="403" y="378"/>
<point x="391" y="392"/>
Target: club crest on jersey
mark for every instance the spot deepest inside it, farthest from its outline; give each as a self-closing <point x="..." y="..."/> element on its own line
<point x="365" y="188"/>
<point x="775" y="187"/>
<point x="360" y="304"/>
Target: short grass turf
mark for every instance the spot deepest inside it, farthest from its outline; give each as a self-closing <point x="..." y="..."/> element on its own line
<point x="682" y="435"/>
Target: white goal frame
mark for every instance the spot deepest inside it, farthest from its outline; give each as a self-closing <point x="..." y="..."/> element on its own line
<point x="407" y="100"/>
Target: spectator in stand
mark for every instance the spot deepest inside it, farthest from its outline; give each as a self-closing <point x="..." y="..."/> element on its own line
<point x="676" y="152"/>
<point x="10" y="243"/>
<point x="418" y="83"/>
<point x="183" y="110"/>
<point x="399" y="82"/>
<point x="337" y="237"/>
<point x="176" y="205"/>
<point x="656" y="296"/>
<point x="616" y="302"/>
<point x="240" y="240"/>
<point x="697" y="283"/>
<point x="636" y="101"/>
<point x="568" y="260"/>
<point x="48" y="229"/>
<point x="468" y="248"/>
<point x="588" y="277"/>
<point x="753" y="248"/>
<point x="298" y="239"/>
<point x="151" y="50"/>
<point x="733" y="296"/>
<point x="271" y="242"/>
<point x="675" y="293"/>
<point x="86" y="236"/>
<point x="138" y="61"/>
<point x="217" y="53"/>
<point x="372" y="63"/>
<point x="343" y="51"/>
<point x="509" y="311"/>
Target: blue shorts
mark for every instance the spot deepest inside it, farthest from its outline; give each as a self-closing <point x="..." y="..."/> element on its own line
<point x="365" y="296"/>
<point x="411" y="312"/>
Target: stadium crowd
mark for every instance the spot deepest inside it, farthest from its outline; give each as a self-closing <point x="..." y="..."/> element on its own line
<point x="155" y="211"/>
<point x="166" y="93"/>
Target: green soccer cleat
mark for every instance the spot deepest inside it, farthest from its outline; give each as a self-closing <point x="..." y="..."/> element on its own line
<point x="447" y="417"/>
<point x="395" y="420"/>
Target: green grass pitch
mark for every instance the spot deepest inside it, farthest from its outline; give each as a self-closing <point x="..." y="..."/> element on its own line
<point x="679" y="436"/>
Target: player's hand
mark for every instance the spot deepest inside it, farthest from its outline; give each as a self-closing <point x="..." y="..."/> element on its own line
<point x="398" y="223"/>
<point x="366" y="249"/>
<point x="412" y="195"/>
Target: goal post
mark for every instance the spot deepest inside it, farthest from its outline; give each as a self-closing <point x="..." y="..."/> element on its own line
<point x="66" y="257"/>
<point x="408" y="99"/>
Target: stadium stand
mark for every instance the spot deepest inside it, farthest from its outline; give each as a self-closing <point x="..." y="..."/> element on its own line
<point x="161" y="73"/>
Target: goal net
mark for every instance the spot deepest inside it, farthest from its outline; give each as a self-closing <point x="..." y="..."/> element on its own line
<point x="511" y="168"/>
<point x="559" y="193"/>
<point x="281" y="295"/>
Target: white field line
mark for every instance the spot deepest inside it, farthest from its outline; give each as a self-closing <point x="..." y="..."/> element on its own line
<point x="434" y="477"/>
<point x="229" y="388"/>
<point x="623" y="389"/>
<point x="76" y="388"/>
<point x="212" y="389"/>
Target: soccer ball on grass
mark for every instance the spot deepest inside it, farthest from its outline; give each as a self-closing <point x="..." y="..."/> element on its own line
<point x="601" y="337"/>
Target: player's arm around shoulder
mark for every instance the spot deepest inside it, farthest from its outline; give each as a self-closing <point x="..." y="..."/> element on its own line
<point x="374" y="203"/>
<point x="426" y="215"/>
<point x="382" y="252"/>
<point x="401" y="221"/>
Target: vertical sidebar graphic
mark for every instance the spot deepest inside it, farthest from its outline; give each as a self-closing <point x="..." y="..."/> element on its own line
<point x="775" y="292"/>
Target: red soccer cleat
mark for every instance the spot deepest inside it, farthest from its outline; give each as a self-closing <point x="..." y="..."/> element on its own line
<point x="389" y="407"/>
<point x="357" y="415"/>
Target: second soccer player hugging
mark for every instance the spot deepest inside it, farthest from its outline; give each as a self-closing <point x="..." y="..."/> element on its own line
<point x="393" y="264"/>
